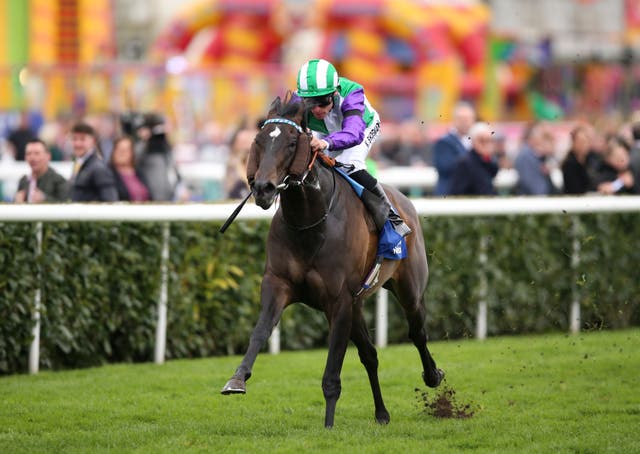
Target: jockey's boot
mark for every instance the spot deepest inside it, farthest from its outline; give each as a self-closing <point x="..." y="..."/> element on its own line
<point x="396" y="221"/>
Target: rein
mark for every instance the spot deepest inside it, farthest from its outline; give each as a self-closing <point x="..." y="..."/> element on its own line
<point x="287" y="179"/>
<point x="323" y="218"/>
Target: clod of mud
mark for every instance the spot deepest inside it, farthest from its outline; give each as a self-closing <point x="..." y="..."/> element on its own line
<point x="443" y="404"/>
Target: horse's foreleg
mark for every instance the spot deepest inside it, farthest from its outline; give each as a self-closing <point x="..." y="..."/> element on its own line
<point x="369" y="358"/>
<point x="339" y="333"/>
<point x="275" y="297"/>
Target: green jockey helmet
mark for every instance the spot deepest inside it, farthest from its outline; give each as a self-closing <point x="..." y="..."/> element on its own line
<point x="317" y="78"/>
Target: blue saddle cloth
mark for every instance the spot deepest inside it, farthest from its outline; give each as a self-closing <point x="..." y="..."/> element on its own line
<point x="390" y="244"/>
<point x="354" y="184"/>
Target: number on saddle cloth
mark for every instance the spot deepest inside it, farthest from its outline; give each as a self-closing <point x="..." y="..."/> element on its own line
<point x="391" y="245"/>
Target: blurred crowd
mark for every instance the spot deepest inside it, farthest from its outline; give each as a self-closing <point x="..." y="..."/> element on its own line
<point x="131" y="161"/>
<point x="130" y="157"/>
<point x="550" y="158"/>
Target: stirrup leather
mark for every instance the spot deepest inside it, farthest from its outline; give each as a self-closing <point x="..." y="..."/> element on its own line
<point x="398" y="224"/>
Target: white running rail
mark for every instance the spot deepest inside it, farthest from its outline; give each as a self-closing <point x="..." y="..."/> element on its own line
<point x="166" y="213"/>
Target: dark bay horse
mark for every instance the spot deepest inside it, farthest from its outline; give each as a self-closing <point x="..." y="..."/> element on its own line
<point x="321" y="245"/>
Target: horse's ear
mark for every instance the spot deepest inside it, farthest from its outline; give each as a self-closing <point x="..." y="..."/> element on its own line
<point x="252" y="162"/>
<point x="276" y="106"/>
<point x="305" y="113"/>
<point x="301" y="115"/>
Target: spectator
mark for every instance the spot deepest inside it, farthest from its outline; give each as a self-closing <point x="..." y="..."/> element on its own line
<point x="92" y="181"/>
<point x="156" y="164"/>
<point x="106" y="125"/>
<point x="635" y="148"/>
<point x="580" y="163"/>
<point x="129" y="183"/>
<point x="235" y="181"/>
<point x="614" y="173"/>
<point x="414" y="146"/>
<point x="44" y="184"/>
<point x="533" y="162"/>
<point x="214" y="143"/>
<point x="452" y="146"/>
<point x="474" y="171"/>
<point x="20" y="136"/>
<point x="387" y="147"/>
<point x="501" y="155"/>
<point x="50" y="133"/>
<point x="411" y="147"/>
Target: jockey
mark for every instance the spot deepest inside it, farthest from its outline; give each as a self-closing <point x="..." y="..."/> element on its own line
<point x="344" y="125"/>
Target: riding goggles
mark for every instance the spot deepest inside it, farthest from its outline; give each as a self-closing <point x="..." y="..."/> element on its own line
<point x="318" y="101"/>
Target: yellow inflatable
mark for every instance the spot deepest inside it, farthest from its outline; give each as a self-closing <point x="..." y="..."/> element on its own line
<point x="442" y="46"/>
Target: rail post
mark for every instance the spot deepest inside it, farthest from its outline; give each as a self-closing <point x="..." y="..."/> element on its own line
<point x="574" y="317"/>
<point x="481" y="321"/>
<point x="34" y="349"/>
<point x="382" y="317"/>
<point x="161" y="327"/>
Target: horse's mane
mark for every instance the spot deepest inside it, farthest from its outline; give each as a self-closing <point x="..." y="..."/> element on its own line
<point x="289" y="107"/>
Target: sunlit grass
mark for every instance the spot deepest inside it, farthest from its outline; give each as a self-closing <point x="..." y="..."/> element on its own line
<point x="554" y="393"/>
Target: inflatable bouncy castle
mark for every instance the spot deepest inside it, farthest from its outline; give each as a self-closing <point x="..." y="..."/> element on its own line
<point x="239" y="34"/>
<point x="422" y="55"/>
<point x="46" y="33"/>
<point x="435" y="50"/>
<point x="235" y="44"/>
<point x="226" y="59"/>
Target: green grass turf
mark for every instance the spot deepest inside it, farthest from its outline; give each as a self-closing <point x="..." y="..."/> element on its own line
<point x="551" y="393"/>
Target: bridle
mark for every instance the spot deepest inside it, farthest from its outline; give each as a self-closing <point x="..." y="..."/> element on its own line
<point x="284" y="121"/>
<point x="290" y="180"/>
<point x="324" y="216"/>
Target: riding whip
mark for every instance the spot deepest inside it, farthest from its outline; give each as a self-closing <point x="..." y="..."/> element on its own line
<point x="234" y="214"/>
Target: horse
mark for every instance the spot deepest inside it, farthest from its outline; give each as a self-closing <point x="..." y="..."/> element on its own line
<point x="321" y="244"/>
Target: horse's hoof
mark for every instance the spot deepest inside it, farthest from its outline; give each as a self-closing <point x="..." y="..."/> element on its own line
<point x="383" y="417"/>
<point x="234" y="386"/>
<point x="434" y="381"/>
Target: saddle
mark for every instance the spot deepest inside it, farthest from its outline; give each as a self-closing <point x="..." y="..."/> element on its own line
<point x="391" y="245"/>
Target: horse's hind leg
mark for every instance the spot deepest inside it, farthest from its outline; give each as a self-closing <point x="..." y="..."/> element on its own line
<point x="339" y="333"/>
<point x="274" y="297"/>
<point x="409" y="290"/>
<point x="369" y="358"/>
<point x="415" y="313"/>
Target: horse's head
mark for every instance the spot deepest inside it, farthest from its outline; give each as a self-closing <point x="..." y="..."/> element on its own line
<point x="280" y="152"/>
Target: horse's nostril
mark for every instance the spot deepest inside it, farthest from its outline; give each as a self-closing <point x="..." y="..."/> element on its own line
<point x="264" y="187"/>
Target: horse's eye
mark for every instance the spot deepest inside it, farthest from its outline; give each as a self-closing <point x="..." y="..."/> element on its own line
<point x="293" y="144"/>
